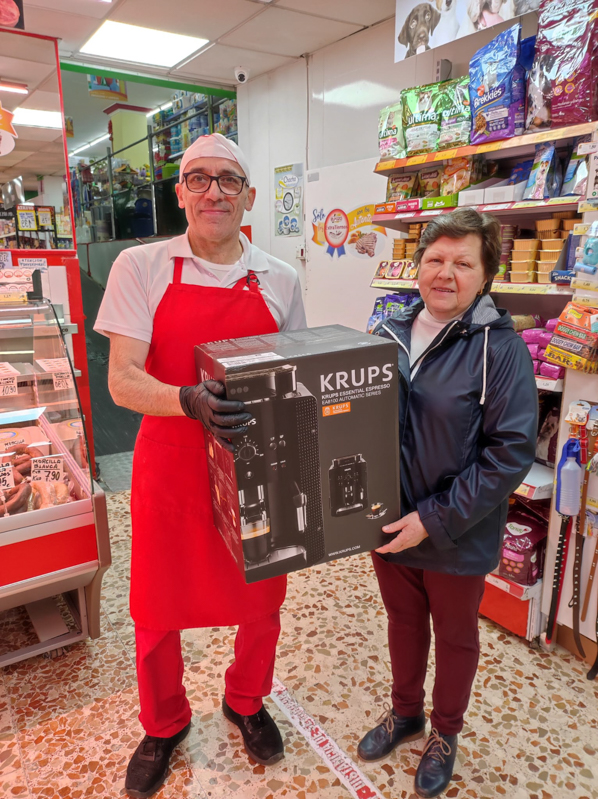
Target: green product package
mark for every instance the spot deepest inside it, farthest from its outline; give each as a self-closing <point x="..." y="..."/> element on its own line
<point x="455" y="115"/>
<point x="422" y="107"/>
<point x="390" y="132"/>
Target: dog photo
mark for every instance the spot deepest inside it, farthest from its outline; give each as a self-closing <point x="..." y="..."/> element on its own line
<point x="415" y="31"/>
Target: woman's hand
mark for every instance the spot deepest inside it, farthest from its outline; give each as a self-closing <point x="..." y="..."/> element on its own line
<point x="411" y="533"/>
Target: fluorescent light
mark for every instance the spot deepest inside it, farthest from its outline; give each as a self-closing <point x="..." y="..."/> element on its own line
<point x="17" y="88"/>
<point x="38" y="119"/>
<point x="90" y="144"/>
<point x="121" y="42"/>
<point x="159" y="108"/>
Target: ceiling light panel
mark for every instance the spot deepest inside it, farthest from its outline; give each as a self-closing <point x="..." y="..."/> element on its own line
<point x="33" y="118"/>
<point x="16" y="88"/>
<point x="122" y="42"/>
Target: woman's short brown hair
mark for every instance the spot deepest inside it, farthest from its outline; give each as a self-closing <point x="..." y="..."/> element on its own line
<point x="460" y="223"/>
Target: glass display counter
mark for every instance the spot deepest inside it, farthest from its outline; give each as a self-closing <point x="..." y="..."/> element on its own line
<point x="54" y="538"/>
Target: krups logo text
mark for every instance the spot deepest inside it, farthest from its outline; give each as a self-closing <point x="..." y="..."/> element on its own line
<point x="358" y="377"/>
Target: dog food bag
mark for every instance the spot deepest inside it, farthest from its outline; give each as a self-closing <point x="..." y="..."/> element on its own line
<point x="543" y="181"/>
<point x="576" y="173"/>
<point x="390" y="132"/>
<point x="457" y="175"/>
<point x="455" y="117"/>
<point x="497" y="88"/>
<point x="400" y="187"/>
<point x="421" y="118"/>
<point x="522" y="557"/>
<point x="520" y="172"/>
<point x="562" y="83"/>
<point x="430" y="181"/>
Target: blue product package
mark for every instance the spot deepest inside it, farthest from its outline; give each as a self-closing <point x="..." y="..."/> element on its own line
<point x="497" y="88"/>
<point x="520" y="172"/>
<point x="573" y="242"/>
<point x="546" y="176"/>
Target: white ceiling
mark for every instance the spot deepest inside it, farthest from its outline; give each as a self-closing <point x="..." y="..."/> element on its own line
<point x="239" y="31"/>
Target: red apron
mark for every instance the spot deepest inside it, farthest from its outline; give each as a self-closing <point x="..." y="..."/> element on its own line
<point x="182" y="574"/>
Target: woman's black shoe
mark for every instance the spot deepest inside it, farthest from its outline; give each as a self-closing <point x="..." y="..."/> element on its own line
<point x="436" y="766"/>
<point x="391" y="731"/>
<point x="148" y="767"/>
<point x="262" y="738"/>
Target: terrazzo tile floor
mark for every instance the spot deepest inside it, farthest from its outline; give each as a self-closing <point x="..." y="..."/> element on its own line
<point x="69" y="725"/>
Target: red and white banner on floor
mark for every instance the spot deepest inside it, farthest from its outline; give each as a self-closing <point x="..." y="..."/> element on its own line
<point x="333" y="756"/>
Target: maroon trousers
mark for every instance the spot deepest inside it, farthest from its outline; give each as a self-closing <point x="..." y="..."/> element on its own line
<point x="165" y="708"/>
<point x="411" y="596"/>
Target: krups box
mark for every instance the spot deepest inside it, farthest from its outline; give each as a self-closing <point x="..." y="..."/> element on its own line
<point x="317" y="474"/>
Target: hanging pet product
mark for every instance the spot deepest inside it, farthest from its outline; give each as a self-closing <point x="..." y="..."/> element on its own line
<point x="567" y="506"/>
<point x="578" y="412"/>
<point x="592" y="468"/>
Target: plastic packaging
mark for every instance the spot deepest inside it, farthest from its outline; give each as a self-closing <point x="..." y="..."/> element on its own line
<point x="569" y="476"/>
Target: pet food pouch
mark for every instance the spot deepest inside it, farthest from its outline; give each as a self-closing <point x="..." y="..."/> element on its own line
<point x="522" y="557"/>
<point x="421" y="118"/>
<point x="520" y="172"/>
<point x="577" y="169"/>
<point x="430" y="180"/>
<point x="455" y="117"/>
<point x="562" y="88"/>
<point x="400" y="187"/>
<point x="497" y="88"/>
<point x="457" y="175"/>
<point x="390" y="132"/>
<point x="543" y="180"/>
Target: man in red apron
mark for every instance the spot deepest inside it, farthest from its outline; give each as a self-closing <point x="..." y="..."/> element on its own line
<point x="161" y="300"/>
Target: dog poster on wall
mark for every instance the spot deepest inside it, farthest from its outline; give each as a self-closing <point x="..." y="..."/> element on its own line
<point x="421" y="26"/>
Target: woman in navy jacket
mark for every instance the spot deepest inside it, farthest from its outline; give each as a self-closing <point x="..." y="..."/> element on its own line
<point x="468" y="426"/>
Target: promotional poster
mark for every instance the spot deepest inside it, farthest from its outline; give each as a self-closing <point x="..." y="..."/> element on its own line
<point x="288" y="202"/>
<point x="423" y="26"/>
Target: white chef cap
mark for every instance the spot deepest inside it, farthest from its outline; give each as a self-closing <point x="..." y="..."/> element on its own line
<point x="214" y="146"/>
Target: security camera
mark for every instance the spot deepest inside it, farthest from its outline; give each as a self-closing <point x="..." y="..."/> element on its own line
<point x="241" y="74"/>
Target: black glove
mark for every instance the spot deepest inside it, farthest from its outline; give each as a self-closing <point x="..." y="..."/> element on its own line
<point x="226" y="419"/>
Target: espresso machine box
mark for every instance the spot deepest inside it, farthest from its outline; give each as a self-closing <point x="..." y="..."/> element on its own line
<point x="317" y="474"/>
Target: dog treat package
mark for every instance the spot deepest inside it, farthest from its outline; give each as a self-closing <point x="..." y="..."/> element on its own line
<point x="521" y="322"/>
<point x="524" y="545"/>
<point x="421" y="118"/>
<point x="400" y="187"/>
<point x="549" y="411"/>
<point x="575" y="180"/>
<point x="455" y="117"/>
<point x="429" y="181"/>
<point x="520" y="172"/>
<point x="545" y="177"/>
<point x="562" y="82"/>
<point x="497" y="88"/>
<point x="390" y="132"/>
<point x="457" y="175"/>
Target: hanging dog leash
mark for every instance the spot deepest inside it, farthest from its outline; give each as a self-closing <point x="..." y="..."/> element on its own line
<point x="574" y="603"/>
<point x="592" y="468"/>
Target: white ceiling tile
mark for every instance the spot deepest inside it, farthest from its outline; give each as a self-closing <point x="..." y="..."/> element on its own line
<point x="358" y="11"/>
<point x="287" y="33"/>
<point x="14" y="158"/>
<point x="203" y="18"/>
<point x="30" y="48"/>
<point x="29" y="134"/>
<point x="219" y="62"/>
<point x="72" y="29"/>
<point x="86" y="8"/>
<point x="42" y="101"/>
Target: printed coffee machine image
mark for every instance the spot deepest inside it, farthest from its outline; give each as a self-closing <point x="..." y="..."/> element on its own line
<point x="278" y="471"/>
<point x="348" y="478"/>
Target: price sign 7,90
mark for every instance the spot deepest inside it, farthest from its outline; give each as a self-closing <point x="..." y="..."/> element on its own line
<point x="49" y="469"/>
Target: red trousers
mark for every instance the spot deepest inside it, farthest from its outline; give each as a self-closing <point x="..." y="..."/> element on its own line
<point x="164" y="706"/>
<point x="411" y="596"/>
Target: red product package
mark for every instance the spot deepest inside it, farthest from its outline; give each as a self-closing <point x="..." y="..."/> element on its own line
<point x="522" y="557"/>
<point x="562" y="86"/>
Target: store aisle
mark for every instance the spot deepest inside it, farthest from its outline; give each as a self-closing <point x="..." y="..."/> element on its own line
<point x="68" y="726"/>
<point x="114" y="428"/>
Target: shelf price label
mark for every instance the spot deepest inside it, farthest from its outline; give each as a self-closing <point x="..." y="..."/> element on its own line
<point x="8" y="386"/>
<point x="7" y="478"/>
<point x="62" y="381"/>
<point x="48" y="469"/>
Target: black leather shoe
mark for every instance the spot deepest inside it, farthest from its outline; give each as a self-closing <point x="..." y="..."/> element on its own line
<point x="262" y="738"/>
<point x="436" y="766"/>
<point x="391" y="731"/>
<point x="148" y="767"/>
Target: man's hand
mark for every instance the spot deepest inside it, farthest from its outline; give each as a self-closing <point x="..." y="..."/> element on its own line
<point x="411" y="533"/>
<point x="226" y="419"/>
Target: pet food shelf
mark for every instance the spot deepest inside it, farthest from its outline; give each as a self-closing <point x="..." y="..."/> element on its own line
<point x="497" y="288"/>
<point x="505" y="148"/>
<point x="401" y="221"/>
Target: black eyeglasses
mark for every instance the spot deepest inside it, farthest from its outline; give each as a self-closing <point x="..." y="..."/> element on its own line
<point x="199" y="183"/>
